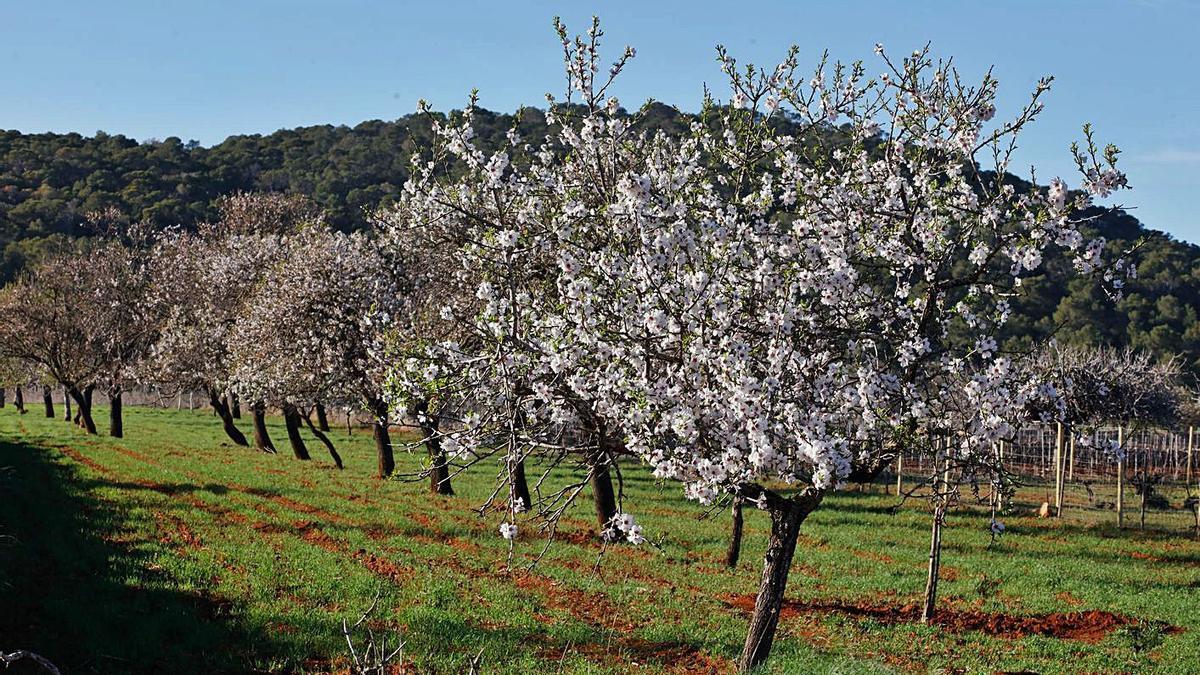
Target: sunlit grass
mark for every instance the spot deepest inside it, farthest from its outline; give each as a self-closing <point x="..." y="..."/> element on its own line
<point x="171" y="549"/>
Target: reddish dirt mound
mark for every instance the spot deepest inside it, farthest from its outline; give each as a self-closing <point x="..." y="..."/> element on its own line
<point x="1087" y="626"/>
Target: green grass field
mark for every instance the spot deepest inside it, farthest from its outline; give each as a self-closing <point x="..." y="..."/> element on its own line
<point x="172" y="551"/>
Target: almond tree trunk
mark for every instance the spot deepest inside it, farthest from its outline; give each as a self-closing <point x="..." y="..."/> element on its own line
<point x="787" y="515"/>
<point x="83" y="408"/>
<point x="291" y="421"/>
<point x="221" y="411"/>
<point x="48" y="400"/>
<point x="262" y="439"/>
<point x="116" y="422"/>
<point x="322" y="419"/>
<point x="235" y="406"/>
<point x="603" y="495"/>
<point x="383" y="448"/>
<point x="735" y="537"/>
<point x="19" y="400"/>
<point x="933" y="573"/>
<point x="521" y="486"/>
<point x="66" y="404"/>
<point x="333" y="453"/>
<point x="439" y="470"/>
<point x="3" y="395"/>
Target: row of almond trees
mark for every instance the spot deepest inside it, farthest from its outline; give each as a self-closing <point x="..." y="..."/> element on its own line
<point x="755" y="314"/>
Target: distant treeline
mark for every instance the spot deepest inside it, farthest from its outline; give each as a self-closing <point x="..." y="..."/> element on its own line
<point x="48" y="182"/>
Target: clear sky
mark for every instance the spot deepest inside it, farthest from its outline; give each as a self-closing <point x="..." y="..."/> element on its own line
<point x="210" y="68"/>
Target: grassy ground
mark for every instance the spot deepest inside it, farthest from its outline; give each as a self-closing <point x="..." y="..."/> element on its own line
<point x="170" y="550"/>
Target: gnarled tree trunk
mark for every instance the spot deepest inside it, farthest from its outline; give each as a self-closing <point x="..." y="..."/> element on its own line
<point x="19" y="400"/>
<point x="262" y="439"/>
<point x="787" y="515"/>
<point x="220" y="410"/>
<point x="291" y="421"/>
<point x="48" y="400"/>
<point x="116" y="422"/>
<point x="83" y="408"/>
<point x="3" y="395"/>
<point x="66" y="404"/>
<point x="235" y="406"/>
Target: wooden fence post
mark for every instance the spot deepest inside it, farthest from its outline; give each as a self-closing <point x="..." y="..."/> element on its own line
<point x="1058" y="460"/>
<point x="1189" y="456"/>
<point x="1120" y="476"/>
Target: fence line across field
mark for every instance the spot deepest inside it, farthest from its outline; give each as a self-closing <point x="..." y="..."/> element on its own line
<point x="1155" y="485"/>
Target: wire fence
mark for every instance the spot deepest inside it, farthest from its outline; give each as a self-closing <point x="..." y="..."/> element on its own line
<point x="1154" y="487"/>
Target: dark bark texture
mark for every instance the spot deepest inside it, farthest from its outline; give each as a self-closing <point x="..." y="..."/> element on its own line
<point x="333" y="453"/>
<point x="48" y="401"/>
<point x="116" y="421"/>
<point x="83" y="408"/>
<point x="262" y="439"/>
<point x="787" y="515"/>
<point x="383" y="448"/>
<point x="222" y="411"/>
<point x="735" y="537"/>
<point x="291" y="421"/>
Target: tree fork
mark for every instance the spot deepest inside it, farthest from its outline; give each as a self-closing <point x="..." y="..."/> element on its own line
<point x="83" y="408"/>
<point x="219" y="409"/>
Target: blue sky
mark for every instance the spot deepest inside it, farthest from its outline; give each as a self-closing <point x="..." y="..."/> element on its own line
<point x="207" y="69"/>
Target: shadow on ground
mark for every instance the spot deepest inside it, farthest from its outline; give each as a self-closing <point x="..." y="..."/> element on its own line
<point x="72" y="590"/>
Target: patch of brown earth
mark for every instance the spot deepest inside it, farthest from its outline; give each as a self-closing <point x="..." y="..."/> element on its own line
<point x="381" y="566"/>
<point x="290" y="504"/>
<point x="1086" y="626"/>
<point x="86" y="461"/>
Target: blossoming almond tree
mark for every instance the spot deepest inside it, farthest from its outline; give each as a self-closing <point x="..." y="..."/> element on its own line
<point x="204" y="280"/>
<point x="763" y="309"/>
<point x="50" y="327"/>
<point x="316" y="330"/>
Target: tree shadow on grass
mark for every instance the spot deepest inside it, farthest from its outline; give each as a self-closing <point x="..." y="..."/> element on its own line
<point x="72" y="590"/>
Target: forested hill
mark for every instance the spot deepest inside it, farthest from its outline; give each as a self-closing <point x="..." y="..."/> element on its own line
<point x="49" y="181"/>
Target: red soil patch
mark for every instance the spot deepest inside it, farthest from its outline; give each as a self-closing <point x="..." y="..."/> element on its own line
<point x="86" y="461"/>
<point x="290" y="504"/>
<point x="1145" y="556"/>
<point x="381" y="566"/>
<point x="134" y="454"/>
<point x="1087" y="626"/>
